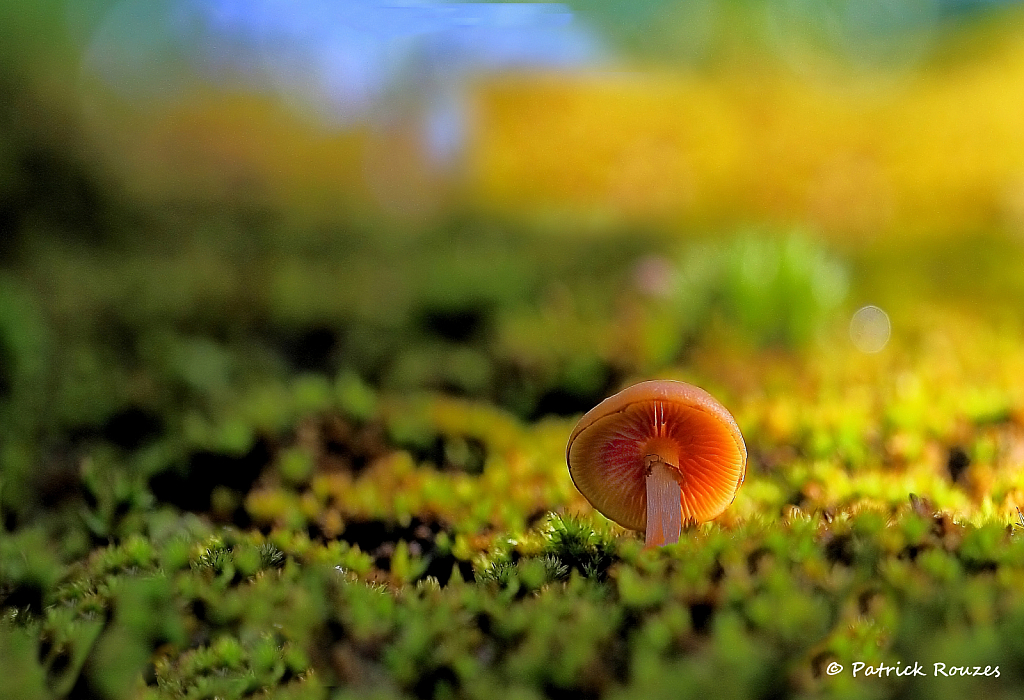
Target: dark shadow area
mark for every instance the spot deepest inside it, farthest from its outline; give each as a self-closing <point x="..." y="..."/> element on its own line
<point x="190" y="489"/>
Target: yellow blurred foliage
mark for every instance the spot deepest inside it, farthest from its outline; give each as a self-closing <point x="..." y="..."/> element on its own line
<point x="937" y="151"/>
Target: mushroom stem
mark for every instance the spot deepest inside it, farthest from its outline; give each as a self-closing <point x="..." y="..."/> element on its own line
<point x="664" y="512"/>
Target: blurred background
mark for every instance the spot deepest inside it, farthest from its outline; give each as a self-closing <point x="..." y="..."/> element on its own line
<point x="215" y="213"/>
<point x="854" y="118"/>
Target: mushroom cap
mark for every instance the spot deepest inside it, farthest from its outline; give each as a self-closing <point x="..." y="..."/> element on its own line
<point x="682" y="425"/>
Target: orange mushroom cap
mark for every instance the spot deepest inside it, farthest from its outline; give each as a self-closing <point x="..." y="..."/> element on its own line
<point x="612" y="448"/>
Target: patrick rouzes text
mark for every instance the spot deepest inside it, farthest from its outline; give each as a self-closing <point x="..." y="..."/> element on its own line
<point x="860" y="668"/>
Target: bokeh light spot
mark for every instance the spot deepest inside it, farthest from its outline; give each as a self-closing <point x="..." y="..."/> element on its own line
<point x="870" y="329"/>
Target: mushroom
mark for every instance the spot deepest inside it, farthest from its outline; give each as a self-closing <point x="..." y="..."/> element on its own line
<point x="656" y="455"/>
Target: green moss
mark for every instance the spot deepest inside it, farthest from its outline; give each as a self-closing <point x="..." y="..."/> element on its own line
<point x="219" y="481"/>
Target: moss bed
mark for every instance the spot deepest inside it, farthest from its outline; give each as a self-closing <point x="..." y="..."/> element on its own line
<point x="279" y="469"/>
